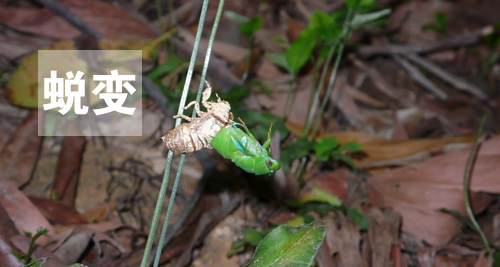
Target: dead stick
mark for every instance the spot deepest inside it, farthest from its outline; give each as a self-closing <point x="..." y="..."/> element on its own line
<point x="469" y="38"/>
<point x="452" y="79"/>
<point x="419" y="78"/>
<point x="70" y="17"/>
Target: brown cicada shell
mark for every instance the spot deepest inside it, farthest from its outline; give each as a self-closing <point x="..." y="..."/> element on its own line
<point x="199" y="131"/>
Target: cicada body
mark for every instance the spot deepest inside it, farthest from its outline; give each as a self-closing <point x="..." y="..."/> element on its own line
<point x="199" y="131"/>
<point x="194" y="135"/>
<point x="244" y="150"/>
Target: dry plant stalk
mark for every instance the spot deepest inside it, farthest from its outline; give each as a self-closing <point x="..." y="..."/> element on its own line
<point x="199" y="131"/>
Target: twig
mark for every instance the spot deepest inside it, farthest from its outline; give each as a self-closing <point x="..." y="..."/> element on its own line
<point x="454" y="80"/>
<point x="469" y="38"/>
<point x="419" y="78"/>
<point x="380" y="83"/>
<point x="70" y="17"/>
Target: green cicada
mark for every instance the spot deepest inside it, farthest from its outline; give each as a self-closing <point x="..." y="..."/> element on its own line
<point x="244" y="150"/>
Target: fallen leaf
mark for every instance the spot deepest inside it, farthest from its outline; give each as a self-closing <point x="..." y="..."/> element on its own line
<point x="26" y="217"/>
<point x="68" y="169"/>
<point x="418" y="191"/>
<point x="20" y="152"/>
<point x="112" y="22"/>
<point x="57" y="212"/>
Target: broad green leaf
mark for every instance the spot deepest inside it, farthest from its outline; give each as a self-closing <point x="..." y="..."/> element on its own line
<point x="289" y="246"/>
<point x="300" y="52"/>
<point x="38" y="263"/>
<point x="251" y="26"/>
<point x="235" y="16"/>
<point x="298" y="148"/>
<point x="441" y="20"/>
<point x="361" y="19"/>
<point x="296" y="222"/>
<point x="323" y="26"/>
<point x="324" y="146"/>
<point x="253" y="237"/>
<point x="358" y="217"/>
<point x="172" y="62"/>
<point x="346" y="159"/>
<point x="279" y="59"/>
<point x="351" y="147"/>
<point x="316" y="195"/>
<point x="352" y="3"/>
<point x="496" y="261"/>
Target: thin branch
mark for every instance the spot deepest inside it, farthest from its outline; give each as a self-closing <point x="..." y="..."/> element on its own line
<point x="469" y="38"/>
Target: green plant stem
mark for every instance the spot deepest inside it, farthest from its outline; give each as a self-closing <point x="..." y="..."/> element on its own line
<point x="465" y="185"/>
<point x="169" y="211"/>
<point x="313" y="97"/>
<point x="39" y="232"/>
<point x="291" y="86"/>
<point x="248" y="57"/>
<point x="166" y="176"/>
<point x="343" y="39"/>
<point x="200" y="89"/>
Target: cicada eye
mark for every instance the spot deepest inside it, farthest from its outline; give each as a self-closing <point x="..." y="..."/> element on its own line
<point x="269" y="163"/>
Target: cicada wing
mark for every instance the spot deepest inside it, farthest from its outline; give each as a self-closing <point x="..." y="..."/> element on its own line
<point x="241" y="144"/>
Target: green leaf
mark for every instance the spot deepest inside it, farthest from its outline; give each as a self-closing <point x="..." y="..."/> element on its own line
<point x="38" y="263"/>
<point x="279" y="40"/>
<point x="323" y="146"/>
<point x="316" y="195"/>
<point x="352" y="3"/>
<point x="361" y="19"/>
<point x="298" y="148"/>
<point x="235" y="17"/>
<point x="441" y="20"/>
<point x="359" y="218"/>
<point x="323" y="26"/>
<point x="172" y="62"/>
<point x="251" y="26"/>
<point x="351" y="147"/>
<point x="346" y="159"/>
<point x="289" y="246"/>
<point x="496" y="261"/>
<point x="253" y="237"/>
<point x="300" y="52"/>
<point x="279" y="59"/>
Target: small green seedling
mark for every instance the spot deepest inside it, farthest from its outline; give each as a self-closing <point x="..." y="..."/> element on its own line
<point x="244" y="150"/>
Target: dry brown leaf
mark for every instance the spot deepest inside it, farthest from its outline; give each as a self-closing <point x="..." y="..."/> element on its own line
<point x="68" y="169"/>
<point x="20" y="152"/>
<point x="22" y="212"/>
<point x="419" y="190"/>
<point x="110" y="21"/>
<point x="381" y="152"/>
<point x="57" y="212"/>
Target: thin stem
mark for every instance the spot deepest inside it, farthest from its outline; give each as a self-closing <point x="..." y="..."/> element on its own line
<point x="169" y="211"/>
<point x="181" y="163"/>
<point x="166" y="176"/>
<point x="248" y="57"/>
<point x="345" y="32"/>
<point x="311" y="113"/>
<point x="465" y="186"/>
<point x="291" y="85"/>
<point x="157" y="211"/>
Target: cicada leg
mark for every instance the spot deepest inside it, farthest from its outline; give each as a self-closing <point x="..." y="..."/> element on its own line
<point x="183" y="116"/>
<point x="206" y="95"/>
<point x="268" y="141"/>
<point x="196" y="107"/>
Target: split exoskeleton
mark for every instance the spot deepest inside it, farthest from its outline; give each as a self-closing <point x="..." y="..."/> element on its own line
<point x="199" y="131"/>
